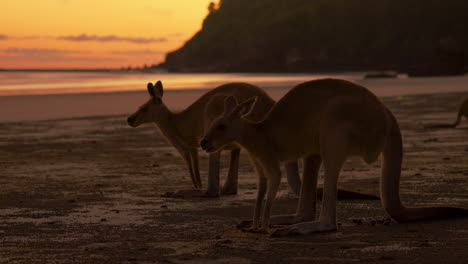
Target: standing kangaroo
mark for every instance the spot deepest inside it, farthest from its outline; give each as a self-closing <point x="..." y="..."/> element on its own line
<point x="185" y="129"/>
<point x="322" y="121"/>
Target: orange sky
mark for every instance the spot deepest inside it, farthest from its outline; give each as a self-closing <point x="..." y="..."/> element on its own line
<point x="94" y="33"/>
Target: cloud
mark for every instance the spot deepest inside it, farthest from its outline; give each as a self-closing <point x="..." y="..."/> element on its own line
<point x="32" y="37"/>
<point x="25" y="37"/>
<point x="56" y="57"/>
<point x="36" y="52"/>
<point x="111" y="38"/>
<point x="138" y="52"/>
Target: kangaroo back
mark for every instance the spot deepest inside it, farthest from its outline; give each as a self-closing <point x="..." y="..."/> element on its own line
<point x="390" y="184"/>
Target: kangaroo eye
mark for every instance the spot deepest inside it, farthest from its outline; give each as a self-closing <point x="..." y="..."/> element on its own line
<point x="221" y="127"/>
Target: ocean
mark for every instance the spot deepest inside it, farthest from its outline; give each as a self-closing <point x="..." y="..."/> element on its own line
<point x="49" y="82"/>
<point x="29" y="95"/>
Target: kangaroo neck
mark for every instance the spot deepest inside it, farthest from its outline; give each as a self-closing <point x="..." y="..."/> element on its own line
<point x="254" y="138"/>
<point x="167" y="124"/>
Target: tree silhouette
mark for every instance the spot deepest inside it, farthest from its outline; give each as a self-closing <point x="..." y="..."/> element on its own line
<point x="211" y="7"/>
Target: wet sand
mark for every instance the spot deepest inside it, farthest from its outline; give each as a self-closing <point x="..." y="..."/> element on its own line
<point x="91" y="190"/>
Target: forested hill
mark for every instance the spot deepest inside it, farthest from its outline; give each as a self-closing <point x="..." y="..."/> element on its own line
<point x="427" y="36"/>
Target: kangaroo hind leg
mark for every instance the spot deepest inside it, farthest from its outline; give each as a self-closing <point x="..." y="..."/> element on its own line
<point x="334" y="151"/>
<point x="308" y="196"/>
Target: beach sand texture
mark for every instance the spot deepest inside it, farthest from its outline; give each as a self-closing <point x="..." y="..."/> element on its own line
<point x="91" y="190"/>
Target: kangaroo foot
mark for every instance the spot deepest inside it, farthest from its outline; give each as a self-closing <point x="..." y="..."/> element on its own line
<point x="349" y="195"/>
<point x="286" y="219"/>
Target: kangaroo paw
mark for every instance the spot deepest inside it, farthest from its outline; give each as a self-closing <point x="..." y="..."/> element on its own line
<point x="285" y="219"/>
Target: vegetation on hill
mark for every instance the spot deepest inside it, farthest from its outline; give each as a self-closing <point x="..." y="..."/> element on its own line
<point x="423" y="36"/>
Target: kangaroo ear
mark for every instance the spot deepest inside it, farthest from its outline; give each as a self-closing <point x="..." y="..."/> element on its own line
<point x="229" y="104"/>
<point x="150" y="89"/>
<point x="158" y="88"/>
<point x="246" y="107"/>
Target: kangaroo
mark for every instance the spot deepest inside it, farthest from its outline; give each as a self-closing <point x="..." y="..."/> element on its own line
<point x="322" y="121"/>
<point x="185" y="129"/>
<point x="462" y="112"/>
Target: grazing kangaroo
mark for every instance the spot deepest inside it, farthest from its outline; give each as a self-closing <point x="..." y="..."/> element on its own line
<point x="463" y="111"/>
<point x="185" y="129"/>
<point x="322" y="121"/>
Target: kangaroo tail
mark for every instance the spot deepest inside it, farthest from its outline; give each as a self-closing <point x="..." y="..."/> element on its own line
<point x="456" y="123"/>
<point x="459" y="116"/>
<point x="390" y="184"/>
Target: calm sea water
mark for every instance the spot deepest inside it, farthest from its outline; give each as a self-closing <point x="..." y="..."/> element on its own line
<point x="29" y="83"/>
<point x="28" y="96"/>
<point x="26" y="83"/>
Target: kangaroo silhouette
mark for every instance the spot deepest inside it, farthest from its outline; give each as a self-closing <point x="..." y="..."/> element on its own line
<point x="324" y="122"/>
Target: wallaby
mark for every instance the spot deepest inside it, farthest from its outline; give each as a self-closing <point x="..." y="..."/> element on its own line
<point x="185" y="129"/>
<point x="322" y="121"/>
<point x="462" y="112"/>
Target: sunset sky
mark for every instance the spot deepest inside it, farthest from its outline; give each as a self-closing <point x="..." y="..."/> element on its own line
<point x="94" y="33"/>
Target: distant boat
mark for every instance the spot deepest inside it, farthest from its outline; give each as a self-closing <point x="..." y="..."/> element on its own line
<point x="381" y="75"/>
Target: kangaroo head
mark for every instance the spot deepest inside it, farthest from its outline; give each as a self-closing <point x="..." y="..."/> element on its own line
<point x="152" y="110"/>
<point x="227" y="127"/>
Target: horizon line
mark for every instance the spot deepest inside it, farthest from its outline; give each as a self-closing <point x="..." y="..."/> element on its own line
<point x="77" y="69"/>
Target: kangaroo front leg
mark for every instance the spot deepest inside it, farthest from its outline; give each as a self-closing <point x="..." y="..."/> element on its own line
<point x="292" y="174"/>
<point x="196" y="168"/>
<point x="274" y="179"/>
<point x="230" y="186"/>
<point x="262" y="187"/>
<point x="261" y="190"/>
<point x="191" y="157"/>
<point x="213" y="174"/>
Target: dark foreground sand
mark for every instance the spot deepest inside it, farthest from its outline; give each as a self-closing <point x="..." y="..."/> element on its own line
<point x="89" y="190"/>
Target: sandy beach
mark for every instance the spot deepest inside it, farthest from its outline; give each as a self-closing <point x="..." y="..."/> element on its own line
<point x="91" y="190"/>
